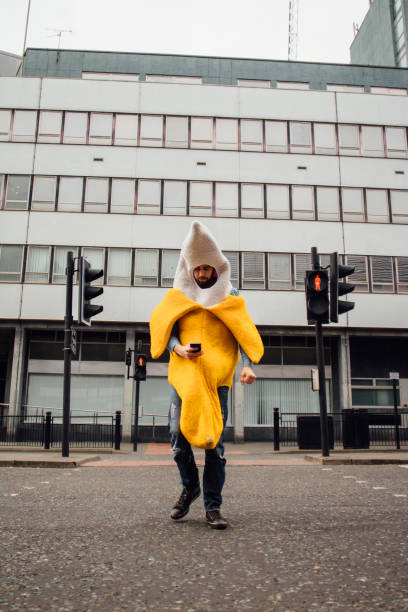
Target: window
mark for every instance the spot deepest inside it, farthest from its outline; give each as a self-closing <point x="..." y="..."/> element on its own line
<point x="60" y="263"/>
<point x="251" y="135"/>
<point x="253" y="271"/>
<point x="353" y="206"/>
<point x="303" y="202"/>
<point x="43" y="197"/>
<point x="174" y="198"/>
<point x="170" y="78"/>
<point x="100" y="128"/>
<point x="123" y="196"/>
<point x="151" y="131"/>
<point x="202" y="134"/>
<point x="49" y="129"/>
<point x="233" y="259"/>
<point x="1" y="188"/>
<point x="70" y="193"/>
<point x="24" y="126"/>
<point x="377" y="205"/>
<point x="109" y="76"/>
<point x="399" y="206"/>
<point x="252" y="200"/>
<point x="389" y="91"/>
<point x="349" y="140"/>
<point x="401" y="265"/>
<point x="396" y="142"/>
<point x="253" y="83"/>
<point x="226" y="131"/>
<point x="11" y="259"/>
<point x="148" y="197"/>
<point x="96" y="194"/>
<point x="5" y="119"/>
<point x="119" y="266"/>
<point x="176" y="132"/>
<point x="277" y="201"/>
<point x="75" y="128"/>
<point x="300" y="137"/>
<point x="126" y="130"/>
<point x="325" y="139"/>
<point x="371" y="392"/>
<point x="169" y="265"/>
<point x="201" y="196"/>
<point x="328" y="203"/>
<point x="38" y="264"/>
<point x="226" y="199"/>
<point x="345" y="88"/>
<point x="302" y="262"/>
<point x="96" y="257"/>
<point x="18" y="189"/>
<point x="372" y="139"/>
<point x="279" y="271"/>
<point x="382" y="274"/>
<point x="146" y="267"/>
<point x="292" y="85"/>
<point x="276" y="136"/>
<point x="360" y="275"/>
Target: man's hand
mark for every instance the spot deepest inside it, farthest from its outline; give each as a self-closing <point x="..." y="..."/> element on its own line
<point x="248" y="376"/>
<point x="186" y="351"/>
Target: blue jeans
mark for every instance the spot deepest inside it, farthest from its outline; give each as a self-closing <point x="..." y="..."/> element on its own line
<point x="214" y="469"/>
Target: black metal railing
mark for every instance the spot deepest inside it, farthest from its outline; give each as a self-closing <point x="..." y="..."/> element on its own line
<point x="93" y="431"/>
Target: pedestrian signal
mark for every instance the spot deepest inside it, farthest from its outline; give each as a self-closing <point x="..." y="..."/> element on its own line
<point x="317" y="296"/>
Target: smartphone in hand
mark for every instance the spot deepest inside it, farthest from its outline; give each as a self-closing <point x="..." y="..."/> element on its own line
<point x="196" y="346"/>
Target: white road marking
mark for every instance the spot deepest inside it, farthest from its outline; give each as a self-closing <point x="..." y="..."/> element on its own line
<point x="353" y="477"/>
<point x="399" y="495"/>
<point x="44" y="482"/>
<point x="379" y="488"/>
<point x="362" y="481"/>
<point x="28" y="487"/>
<point x="327" y="469"/>
<point x="13" y="494"/>
<point x="404" y="466"/>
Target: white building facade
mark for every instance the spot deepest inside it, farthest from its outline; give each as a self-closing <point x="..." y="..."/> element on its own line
<point x="114" y="163"/>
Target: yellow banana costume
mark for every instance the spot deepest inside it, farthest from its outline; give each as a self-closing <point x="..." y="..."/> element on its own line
<point x="218" y="326"/>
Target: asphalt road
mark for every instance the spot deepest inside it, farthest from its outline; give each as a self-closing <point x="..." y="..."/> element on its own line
<point x="300" y="538"/>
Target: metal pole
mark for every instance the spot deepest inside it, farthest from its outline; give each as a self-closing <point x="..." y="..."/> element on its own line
<point x="25" y="36"/>
<point x="67" y="356"/>
<point x="397" y="433"/>
<point x="324" y="427"/>
<point x="276" y="436"/>
<point x="136" y="425"/>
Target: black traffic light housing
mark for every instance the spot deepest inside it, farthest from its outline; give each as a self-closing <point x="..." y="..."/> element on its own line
<point x="87" y="275"/>
<point x="140" y="367"/>
<point x="337" y="272"/>
<point x="317" y="296"/>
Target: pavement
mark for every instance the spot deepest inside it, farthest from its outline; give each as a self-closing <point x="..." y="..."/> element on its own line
<point x="159" y="455"/>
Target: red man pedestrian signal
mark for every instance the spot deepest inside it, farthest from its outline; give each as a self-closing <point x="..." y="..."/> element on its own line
<point x="140" y="367"/>
<point x="317" y="296"/>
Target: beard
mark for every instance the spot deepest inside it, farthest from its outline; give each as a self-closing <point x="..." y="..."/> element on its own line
<point x="206" y="284"/>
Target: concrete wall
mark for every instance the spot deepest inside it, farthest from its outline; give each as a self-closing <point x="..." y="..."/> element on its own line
<point x="374" y="43"/>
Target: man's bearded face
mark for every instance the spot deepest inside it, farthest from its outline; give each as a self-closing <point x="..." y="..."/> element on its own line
<point x="204" y="276"/>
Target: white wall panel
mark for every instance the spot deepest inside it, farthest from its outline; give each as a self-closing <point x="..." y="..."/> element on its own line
<point x="76" y="94"/>
<point x="372" y="172"/>
<point x="45" y="302"/>
<point x="13" y="226"/>
<point x="287" y="104"/>
<point x="199" y="100"/>
<point x="276" y="307"/>
<point x="16" y="92"/>
<point x="10" y="298"/>
<point x="372" y="109"/>
<point x="370" y="239"/>
<point x="16" y="158"/>
<point x="388" y="311"/>
<point x="78" y="160"/>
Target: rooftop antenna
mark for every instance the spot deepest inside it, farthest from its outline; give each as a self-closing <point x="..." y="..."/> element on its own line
<point x="58" y="33"/>
<point x="293" y="30"/>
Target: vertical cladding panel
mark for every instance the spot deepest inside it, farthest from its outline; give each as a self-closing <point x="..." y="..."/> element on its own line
<point x="19" y="93"/>
<point x="287" y="104"/>
<point x="13" y="226"/>
<point x="360" y="239"/>
<point x="369" y="172"/>
<point x="372" y="109"/>
<point x="10" y="299"/>
<point x="16" y="158"/>
<point x="75" y="94"/>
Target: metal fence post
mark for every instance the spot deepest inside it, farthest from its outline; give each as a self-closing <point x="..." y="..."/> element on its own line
<point x="118" y="428"/>
<point x="276" y="437"/>
<point x="47" y="431"/>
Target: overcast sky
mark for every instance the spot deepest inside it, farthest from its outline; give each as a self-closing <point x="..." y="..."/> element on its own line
<point x="232" y="28"/>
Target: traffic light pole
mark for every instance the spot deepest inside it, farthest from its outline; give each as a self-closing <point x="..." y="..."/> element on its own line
<point x="136" y="424"/>
<point x="324" y="428"/>
<point x="67" y="355"/>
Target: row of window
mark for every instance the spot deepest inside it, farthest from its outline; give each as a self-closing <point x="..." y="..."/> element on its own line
<point x="400" y="36"/>
<point x="203" y="198"/>
<point x="263" y="83"/>
<point x="97" y="128"/>
<point x="156" y="267"/>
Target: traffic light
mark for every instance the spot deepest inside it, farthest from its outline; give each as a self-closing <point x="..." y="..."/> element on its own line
<point x="87" y="275"/>
<point x="317" y="296"/>
<point x="140" y="367"/>
<point x="338" y="271"/>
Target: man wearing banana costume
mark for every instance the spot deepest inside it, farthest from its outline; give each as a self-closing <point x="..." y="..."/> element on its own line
<point x="203" y="309"/>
